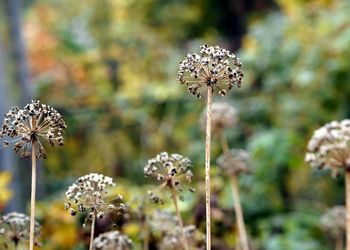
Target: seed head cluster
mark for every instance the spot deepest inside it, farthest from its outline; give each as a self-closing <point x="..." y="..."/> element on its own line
<point x="88" y="195"/>
<point x="14" y="227"/>
<point x="235" y="162"/>
<point x="173" y="239"/>
<point x="223" y="116"/>
<point x="334" y="220"/>
<point x="172" y="171"/>
<point x="329" y="147"/>
<point x="113" y="240"/>
<point x="34" y="122"/>
<point x="213" y="66"/>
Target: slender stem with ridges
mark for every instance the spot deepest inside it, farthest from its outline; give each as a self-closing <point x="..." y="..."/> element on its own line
<point x="92" y="231"/>
<point x="243" y="238"/>
<point x="207" y="167"/>
<point x="347" y="194"/>
<point x="179" y="218"/>
<point x="32" y="201"/>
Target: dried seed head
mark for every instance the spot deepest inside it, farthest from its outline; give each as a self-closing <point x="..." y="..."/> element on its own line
<point x="14" y="227"/>
<point x="113" y="240"/>
<point x="173" y="171"/>
<point x="223" y="116"/>
<point x="235" y="162"/>
<point x="173" y="239"/>
<point x="334" y="220"/>
<point x="89" y="195"/>
<point x="329" y="147"/>
<point x="162" y="221"/>
<point x="33" y="123"/>
<point x="213" y="66"/>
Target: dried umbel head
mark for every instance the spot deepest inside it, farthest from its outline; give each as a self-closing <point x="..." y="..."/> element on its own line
<point x="173" y="171"/>
<point x="235" y="162"/>
<point x="88" y="195"/>
<point x="113" y="240"/>
<point x="223" y="116"/>
<point x="334" y="220"/>
<point x="34" y="123"/>
<point x="14" y="228"/>
<point x="162" y="221"/>
<point x="173" y="240"/>
<point x="214" y="67"/>
<point x="329" y="147"/>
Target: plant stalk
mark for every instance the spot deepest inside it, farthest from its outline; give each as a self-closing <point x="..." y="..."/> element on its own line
<point x="339" y="241"/>
<point x="32" y="201"/>
<point x="145" y="235"/>
<point x="243" y="238"/>
<point x="207" y="167"/>
<point x="92" y="231"/>
<point x="184" y="240"/>
<point x="347" y="194"/>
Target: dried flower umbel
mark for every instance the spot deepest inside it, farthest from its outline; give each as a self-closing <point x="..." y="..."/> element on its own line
<point x="234" y="162"/>
<point x="334" y="223"/>
<point x="172" y="171"/>
<point x="113" y="240"/>
<point x="36" y="122"/>
<point x="14" y="228"/>
<point x="329" y="148"/>
<point x="88" y="195"/>
<point x="213" y="69"/>
<point x="172" y="240"/>
<point x="223" y="116"/>
<point x="28" y="128"/>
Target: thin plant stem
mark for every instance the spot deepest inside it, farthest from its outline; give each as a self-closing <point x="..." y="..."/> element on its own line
<point x="92" y="231"/>
<point x="184" y="240"/>
<point x="32" y="201"/>
<point x="237" y="201"/>
<point x="347" y="194"/>
<point x="239" y="214"/>
<point x="339" y="241"/>
<point x="207" y="167"/>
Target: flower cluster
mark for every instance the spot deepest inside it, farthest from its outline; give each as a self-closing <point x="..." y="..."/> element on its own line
<point x="234" y="162"/>
<point x="14" y="227"/>
<point x="172" y="170"/>
<point x="113" y="240"/>
<point x="162" y="221"/>
<point x="88" y="195"/>
<point x="28" y="125"/>
<point x="223" y="116"/>
<point x="329" y="147"/>
<point x="173" y="240"/>
<point x="213" y="66"/>
<point x="334" y="220"/>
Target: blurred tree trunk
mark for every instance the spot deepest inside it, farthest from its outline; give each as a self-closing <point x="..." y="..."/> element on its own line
<point x="7" y="161"/>
<point x="21" y="79"/>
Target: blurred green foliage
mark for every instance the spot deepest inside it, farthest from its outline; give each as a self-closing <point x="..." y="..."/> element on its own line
<point x="110" y="67"/>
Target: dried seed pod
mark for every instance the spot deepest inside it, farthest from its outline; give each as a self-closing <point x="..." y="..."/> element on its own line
<point x="213" y="66"/>
<point x="235" y="162"/>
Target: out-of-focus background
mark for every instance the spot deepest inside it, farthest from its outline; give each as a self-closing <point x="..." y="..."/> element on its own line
<point x="110" y="67"/>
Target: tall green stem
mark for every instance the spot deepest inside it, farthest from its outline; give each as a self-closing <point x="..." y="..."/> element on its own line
<point x="207" y="167"/>
<point x="179" y="218"/>
<point x="32" y="202"/>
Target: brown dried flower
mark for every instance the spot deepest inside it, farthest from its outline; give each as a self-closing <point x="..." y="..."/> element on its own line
<point x="235" y="162"/>
<point x="329" y="147"/>
<point x="34" y="122"/>
<point x="113" y="240"/>
<point x="334" y="220"/>
<point x="213" y="66"/>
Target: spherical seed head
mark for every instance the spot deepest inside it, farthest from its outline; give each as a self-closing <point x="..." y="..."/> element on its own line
<point x="213" y="66"/>
<point x="173" y="239"/>
<point x="15" y="228"/>
<point x="334" y="220"/>
<point x="89" y="195"/>
<point x="235" y="162"/>
<point x="162" y="221"/>
<point x="223" y="116"/>
<point x="113" y="240"/>
<point x="173" y="171"/>
<point x="34" y="123"/>
<point x="329" y="147"/>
